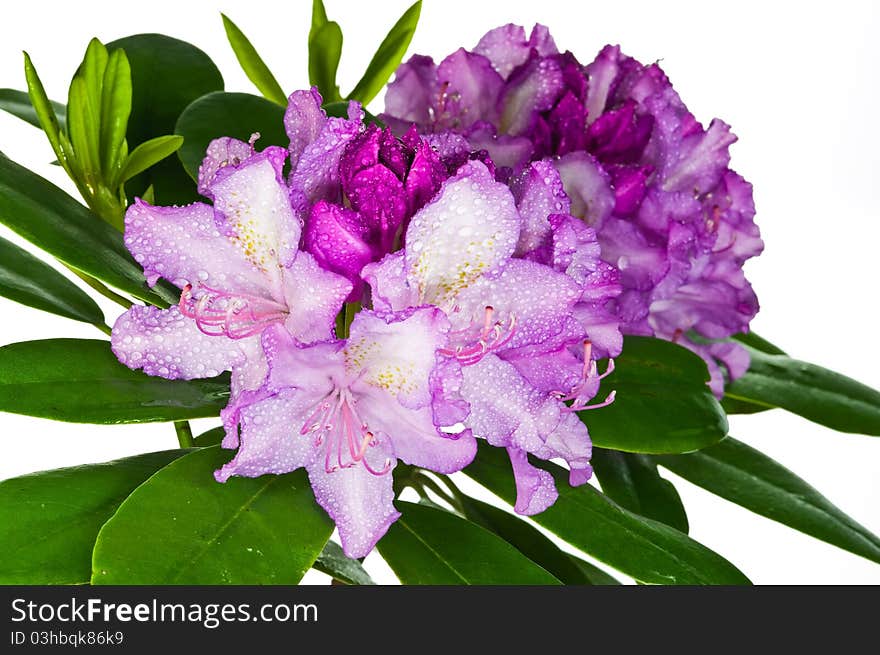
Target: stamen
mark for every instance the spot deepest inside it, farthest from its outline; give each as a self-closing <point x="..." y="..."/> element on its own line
<point x="589" y="377"/>
<point x="219" y="313"/>
<point x="492" y="336"/>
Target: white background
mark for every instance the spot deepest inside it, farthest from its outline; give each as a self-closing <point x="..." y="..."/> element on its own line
<point x="799" y="85"/>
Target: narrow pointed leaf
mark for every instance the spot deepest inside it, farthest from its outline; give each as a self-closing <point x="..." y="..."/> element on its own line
<point x="319" y="17"/>
<point x="227" y="114"/>
<point x="182" y="527"/>
<point x="26" y="279"/>
<point x="759" y="343"/>
<point x="334" y="563"/>
<point x="19" y="104"/>
<point x="81" y="381"/>
<point x="632" y="481"/>
<point x="388" y="56"/>
<point x="51" y="519"/>
<point x="43" y="108"/>
<point x="593" y="573"/>
<point x="149" y="154"/>
<point x="527" y="539"/>
<point x="49" y="218"/>
<point x="252" y="64"/>
<point x="663" y="404"/>
<point x="643" y="549"/>
<point x="749" y="478"/>
<point x="167" y="74"/>
<point x="816" y="393"/>
<point x="83" y="126"/>
<point x="325" y="49"/>
<point x="92" y="69"/>
<point x="211" y="437"/>
<point x="115" y="111"/>
<point x="431" y="546"/>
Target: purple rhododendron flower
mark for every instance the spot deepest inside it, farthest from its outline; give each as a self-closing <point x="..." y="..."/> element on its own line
<point x="635" y="164"/>
<point x="523" y="355"/>
<point x="346" y="411"/>
<point x="239" y="268"/>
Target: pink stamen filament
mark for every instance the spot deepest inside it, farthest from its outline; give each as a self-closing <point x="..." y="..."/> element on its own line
<point x="344" y="431"/>
<point x="493" y="336"/>
<point x="588" y="373"/>
<point x="219" y="313"/>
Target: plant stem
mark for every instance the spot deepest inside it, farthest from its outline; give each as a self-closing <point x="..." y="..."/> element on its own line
<point x="100" y="288"/>
<point x="184" y="434"/>
<point x="103" y="328"/>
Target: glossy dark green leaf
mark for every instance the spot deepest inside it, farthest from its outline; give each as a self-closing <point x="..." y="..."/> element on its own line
<point x="593" y="573"/>
<point x="747" y="477"/>
<point x="759" y="343"/>
<point x="735" y="406"/>
<point x="26" y="279"/>
<point x="527" y="539"/>
<point x="325" y="49"/>
<point x="431" y="546"/>
<point x="50" y="520"/>
<point x="334" y="563"/>
<point x="817" y="394"/>
<point x="643" y="549"/>
<point x="167" y="74"/>
<point x="148" y="154"/>
<point x="227" y="114"/>
<point x="49" y="218"/>
<point x="632" y="481"/>
<point x="210" y="437"/>
<point x="252" y="64"/>
<point x="81" y="381"/>
<point x="183" y="527"/>
<point x="19" y="104"/>
<point x="663" y="404"/>
<point x="388" y="56"/>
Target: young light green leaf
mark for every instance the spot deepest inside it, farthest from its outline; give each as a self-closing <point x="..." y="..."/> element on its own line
<point x="632" y="481"/>
<point x="663" y="404"/>
<point x="49" y="532"/>
<point x="115" y="111"/>
<point x="26" y="279"/>
<point x="44" y="110"/>
<point x="643" y="549"/>
<point x="83" y="126"/>
<point x="325" y="49"/>
<point x="337" y="565"/>
<point x="148" y="154"/>
<point x="749" y="478"/>
<point x="252" y="64"/>
<point x="81" y="381"/>
<point x="19" y="104"/>
<point x="432" y="546"/>
<point x="319" y="17"/>
<point x="92" y="70"/>
<point x="182" y="527"/>
<point x="52" y="220"/>
<point x="388" y="56"/>
<point x="817" y="394"/>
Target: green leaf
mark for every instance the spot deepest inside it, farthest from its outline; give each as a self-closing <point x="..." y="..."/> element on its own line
<point x="227" y="114"/>
<point x="52" y="220"/>
<point x="663" y="403"/>
<point x="115" y="111"/>
<point x="43" y="109"/>
<point x="643" y="549"/>
<point x="334" y="563"/>
<point x="182" y="527"/>
<point x="211" y="437"/>
<point x="319" y="17"/>
<point x="19" y="104"/>
<point x="325" y="49"/>
<point x="388" y="56"/>
<point x="747" y="477"/>
<point x="81" y="381"/>
<point x="51" y="519"/>
<point x="252" y="64"/>
<point x="431" y="546"/>
<point x="759" y="343"/>
<point x="593" y="573"/>
<point x="148" y="154"/>
<point x="528" y="540"/>
<point x="167" y="74"/>
<point x="26" y="279"/>
<point x="817" y="394"/>
<point x="92" y="69"/>
<point x="632" y="482"/>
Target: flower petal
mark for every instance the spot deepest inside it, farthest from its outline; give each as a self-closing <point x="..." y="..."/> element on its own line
<point x="535" y="488"/>
<point x="505" y="47"/>
<point x="411" y="95"/>
<point x="469" y="87"/>
<point x="165" y="343"/>
<point x="338" y="238"/>
<point x="303" y="121"/>
<point x="389" y="286"/>
<point x="538" y="192"/>
<point x="588" y="187"/>
<point x="222" y="152"/>
<point x="359" y="502"/>
<point x="470" y="228"/>
<point x="315" y="296"/>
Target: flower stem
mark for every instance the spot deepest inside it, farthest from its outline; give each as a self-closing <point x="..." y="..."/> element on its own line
<point x="103" y="328"/>
<point x="184" y="434"/>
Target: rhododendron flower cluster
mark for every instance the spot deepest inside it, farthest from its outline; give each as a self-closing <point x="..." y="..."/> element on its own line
<point x="386" y="294"/>
<point x="669" y="213"/>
